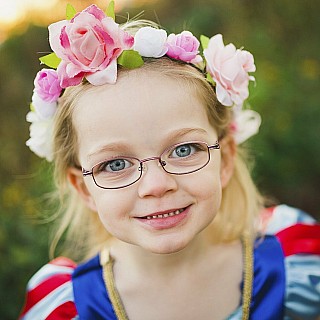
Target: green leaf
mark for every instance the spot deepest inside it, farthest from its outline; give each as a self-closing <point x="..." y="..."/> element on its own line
<point x="204" y="41"/>
<point x="130" y="59"/>
<point x="209" y="78"/>
<point x="110" y="10"/>
<point x="70" y="11"/>
<point x="51" y="60"/>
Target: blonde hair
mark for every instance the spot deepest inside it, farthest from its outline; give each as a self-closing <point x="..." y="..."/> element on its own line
<point x="83" y="231"/>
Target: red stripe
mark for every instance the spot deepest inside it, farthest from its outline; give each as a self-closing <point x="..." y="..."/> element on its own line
<point x="300" y="238"/>
<point x="44" y="288"/>
<point x="65" y="311"/>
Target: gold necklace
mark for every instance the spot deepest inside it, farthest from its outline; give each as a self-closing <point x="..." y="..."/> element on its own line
<point x="107" y="272"/>
<point x="247" y="244"/>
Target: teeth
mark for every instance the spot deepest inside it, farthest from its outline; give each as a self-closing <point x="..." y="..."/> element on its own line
<point x="165" y="215"/>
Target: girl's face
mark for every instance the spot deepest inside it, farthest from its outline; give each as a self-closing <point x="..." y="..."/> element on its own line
<point x="140" y="116"/>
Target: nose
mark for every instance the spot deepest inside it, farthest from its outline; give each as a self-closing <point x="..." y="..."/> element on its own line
<point x="155" y="181"/>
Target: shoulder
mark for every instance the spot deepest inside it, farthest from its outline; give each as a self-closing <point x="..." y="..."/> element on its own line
<point x="281" y="217"/>
<point x="50" y="292"/>
<point x="299" y="236"/>
<point x="297" y="231"/>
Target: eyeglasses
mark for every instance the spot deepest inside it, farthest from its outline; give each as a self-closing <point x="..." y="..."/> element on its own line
<point x="122" y="171"/>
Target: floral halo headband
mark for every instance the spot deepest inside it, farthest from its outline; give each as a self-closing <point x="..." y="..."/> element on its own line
<point x="90" y="45"/>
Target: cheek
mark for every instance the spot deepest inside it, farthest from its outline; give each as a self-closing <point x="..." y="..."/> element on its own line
<point x="113" y="207"/>
<point x="207" y="192"/>
<point x="210" y="190"/>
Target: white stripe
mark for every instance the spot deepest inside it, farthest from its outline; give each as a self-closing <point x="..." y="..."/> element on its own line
<point x="56" y="298"/>
<point x="284" y="217"/>
<point x="46" y="272"/>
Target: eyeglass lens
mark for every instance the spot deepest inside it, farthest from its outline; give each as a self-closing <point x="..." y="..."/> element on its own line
<point x="178" y="159"/>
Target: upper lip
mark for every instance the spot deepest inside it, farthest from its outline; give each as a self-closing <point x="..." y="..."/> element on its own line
<point x="160" y="212"/>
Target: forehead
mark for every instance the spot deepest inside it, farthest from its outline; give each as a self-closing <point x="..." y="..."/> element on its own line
<point x="141" y="108"/>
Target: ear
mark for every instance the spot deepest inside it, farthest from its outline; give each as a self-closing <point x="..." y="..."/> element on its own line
<point x="75" y="177"/>
<point x="228" y="151"/>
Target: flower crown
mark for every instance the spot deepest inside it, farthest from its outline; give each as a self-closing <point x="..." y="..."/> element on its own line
<point x="90" y="45"/>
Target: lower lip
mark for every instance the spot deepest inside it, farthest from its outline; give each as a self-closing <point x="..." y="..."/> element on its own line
<point x="166" y="223"/>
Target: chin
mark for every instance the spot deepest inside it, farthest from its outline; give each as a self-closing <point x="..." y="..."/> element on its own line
<point x="166" y="246"/>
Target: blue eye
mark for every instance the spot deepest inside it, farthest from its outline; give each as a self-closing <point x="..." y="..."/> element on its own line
<point x="115" y="165"/>
<point x="184" y="150"/>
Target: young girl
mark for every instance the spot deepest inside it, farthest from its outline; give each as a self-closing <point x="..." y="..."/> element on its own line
<point x="158" y="206"/>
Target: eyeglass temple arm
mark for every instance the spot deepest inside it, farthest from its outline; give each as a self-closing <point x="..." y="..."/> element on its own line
<point x="86" y="172"/>
<point x="215" y="146"/>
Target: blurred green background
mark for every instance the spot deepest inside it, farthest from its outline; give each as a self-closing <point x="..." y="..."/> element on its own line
<point x="284" y="38"/>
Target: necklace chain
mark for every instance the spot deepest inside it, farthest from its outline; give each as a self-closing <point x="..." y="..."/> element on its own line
<point x="107" y="271"/>
<point x="248" y="276"/>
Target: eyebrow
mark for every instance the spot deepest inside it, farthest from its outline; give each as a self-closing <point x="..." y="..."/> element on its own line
<point x="182" y="132"/>
<point x="116" y="146"/>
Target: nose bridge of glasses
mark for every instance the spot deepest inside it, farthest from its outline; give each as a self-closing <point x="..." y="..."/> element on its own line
<point x="143" y="167"/>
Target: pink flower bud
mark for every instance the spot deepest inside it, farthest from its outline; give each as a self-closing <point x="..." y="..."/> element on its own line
<point x="46" y="85"/>
<point x="184" y="46"/>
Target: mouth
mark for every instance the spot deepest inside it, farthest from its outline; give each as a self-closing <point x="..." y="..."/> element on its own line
<point x="165" y="219"/>
<point x="164" y="215"/>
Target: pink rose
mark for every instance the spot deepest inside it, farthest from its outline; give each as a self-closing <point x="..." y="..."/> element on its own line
<point x="229" y="69"/>
<point x="89" y="46"/>
<point x="47" y="86"/>
<point x="184" y="46"/>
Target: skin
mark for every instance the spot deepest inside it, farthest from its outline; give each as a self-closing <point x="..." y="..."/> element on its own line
<point x="140" y="116"/>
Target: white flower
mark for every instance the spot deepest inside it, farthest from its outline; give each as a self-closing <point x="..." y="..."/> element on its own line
<point x="45" y="110"/>
<point x="40" y="141"/>
<point x="246" y="124"/>
<point x="150" y="42"/>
